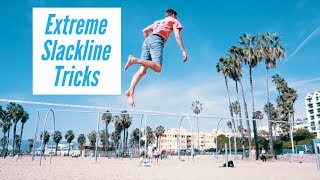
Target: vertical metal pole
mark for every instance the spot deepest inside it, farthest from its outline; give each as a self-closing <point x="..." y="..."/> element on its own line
<point x="35" y="136"/>
<point x="229" y="143"/>
<point x="226" y="152"/>
<point x="54" y="130"/>
<point x="217" y="138"/>
<point x="140" y="135"/>
<point x="316" y="153"/>
<point x="44" y="127"/>
<point x="145" y="135"/>
<point x="97" y="138"/>
<point x="192" y="150"/>
<point x="179" y="137"/>
<point x="291" y="134"/>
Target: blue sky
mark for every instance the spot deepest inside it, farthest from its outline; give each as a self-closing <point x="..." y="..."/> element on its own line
<point x="210" y="28"/>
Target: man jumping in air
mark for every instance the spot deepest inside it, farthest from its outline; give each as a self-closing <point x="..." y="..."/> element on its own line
<point x="152" y="48"/>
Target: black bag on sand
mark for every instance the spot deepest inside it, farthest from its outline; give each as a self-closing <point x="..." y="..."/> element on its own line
<point x="230" y="164"/>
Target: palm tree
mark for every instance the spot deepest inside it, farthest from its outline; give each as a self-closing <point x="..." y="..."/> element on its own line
<point x="6" y="125"/>
<point x="81" y="141"/>
<point x="16" y="112"/>
<point x="107" y="118"/>
<point x="272" y="51"/>
<point x="159" y="132"/>
<point x="92" y="137"/>
<point x="223" y="66"/>
<point x="103" y="137"/>
<point x="230" y="126"/>
<point x="69" y="136"/>
<point x="126" y="123"/>
<point x="30" y="144"/>
<point x="196" y="108"/>
<point x="279" y="82"/>
<point x="24" y="118"/>
<point x="115" y="137"/>
<point x="252" y="56"/>
<point x="17" y="139"/>
<point x="57" y="136"/>
<point x="118" y="126"/>
<point x="44" y="136"/>
<point x="238" y="56"/>
<point x="258" y="115"/>
<point x="150" y="136"/>
<point x="135" y="135"/>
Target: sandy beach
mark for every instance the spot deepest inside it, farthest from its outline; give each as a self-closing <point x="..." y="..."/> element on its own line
<point x="171" y="168"/>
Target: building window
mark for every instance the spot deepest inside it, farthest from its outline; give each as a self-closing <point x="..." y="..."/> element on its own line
<point x="317" y="98"/>
<point x="310" y="106"/>
<point x="312" y="117"/>
<point x="312" y="123"/>
<point x="313" y="128"/>
<point x="318" y="103"/>
<point x="315" y="134"/>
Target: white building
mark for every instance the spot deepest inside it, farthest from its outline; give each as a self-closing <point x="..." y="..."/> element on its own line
<point x="301" y="124"/>
<point x="313" y="112"/>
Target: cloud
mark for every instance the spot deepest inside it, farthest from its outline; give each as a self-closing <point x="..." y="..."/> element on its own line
<point x="305" y="41"/>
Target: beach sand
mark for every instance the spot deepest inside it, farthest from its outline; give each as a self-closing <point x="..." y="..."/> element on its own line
<point x="205" y="167"/>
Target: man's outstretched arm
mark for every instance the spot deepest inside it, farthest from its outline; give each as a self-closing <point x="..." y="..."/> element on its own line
<point x="180" y="43"/>
<point x="146" y="30"/>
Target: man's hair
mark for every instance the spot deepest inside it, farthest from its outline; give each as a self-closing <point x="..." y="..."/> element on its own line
<point x="171" y="12"/>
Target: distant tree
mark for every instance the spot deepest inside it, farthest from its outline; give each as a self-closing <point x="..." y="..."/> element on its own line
<point x="303" y="135"/>
<point x="24" y="118"/>
<point x="30" y="144"/>
<point x="196" y="108"/>
<point x="92" y="137"/>
<point x="57" y="136"/>
<point x="222" y="140"/>
<point x="69" y="136"/>
<point x="81" y="141"/>
<point x="46" y="137"/>
<point x="159" y="132"/>
<point x="107" y="118"/>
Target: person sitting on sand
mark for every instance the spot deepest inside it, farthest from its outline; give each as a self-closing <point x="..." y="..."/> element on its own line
<point x="263" y="155"/>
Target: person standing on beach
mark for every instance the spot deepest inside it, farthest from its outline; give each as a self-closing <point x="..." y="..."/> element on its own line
<point x="152" y="49"/>
<point x="253" y="154"/>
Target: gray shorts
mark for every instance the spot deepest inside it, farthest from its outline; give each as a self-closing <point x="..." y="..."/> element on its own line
<point x="152" y="48"/>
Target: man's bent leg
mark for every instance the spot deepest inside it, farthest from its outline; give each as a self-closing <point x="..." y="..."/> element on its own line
<point x="135" y="79"/>
<point x="146" y="63"/>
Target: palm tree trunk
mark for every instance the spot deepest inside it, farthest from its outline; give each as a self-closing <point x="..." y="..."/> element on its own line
<point x="4" y="142"/>
<point x="231" y="113"/>
<point x="246" y="115"/>
<point x="21" y="136"/>
<point x="8" y="139"/>
<point x="69" y="149"/>
<point x="81" y="148"/>
<point x="14" y="137"/>
<point x="123" y="139"/>
<point x="127" y="134"/>
<point x="106" y="143"/>
<point x="254" y="123"/>
<point x="198" y="134"/>
<point x="240" y="121"/>
<point x="269" y="122"/>
<point x="56" y="149"/>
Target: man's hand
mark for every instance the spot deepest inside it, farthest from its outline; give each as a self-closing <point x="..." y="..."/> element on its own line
<point x="185" y="56"/>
